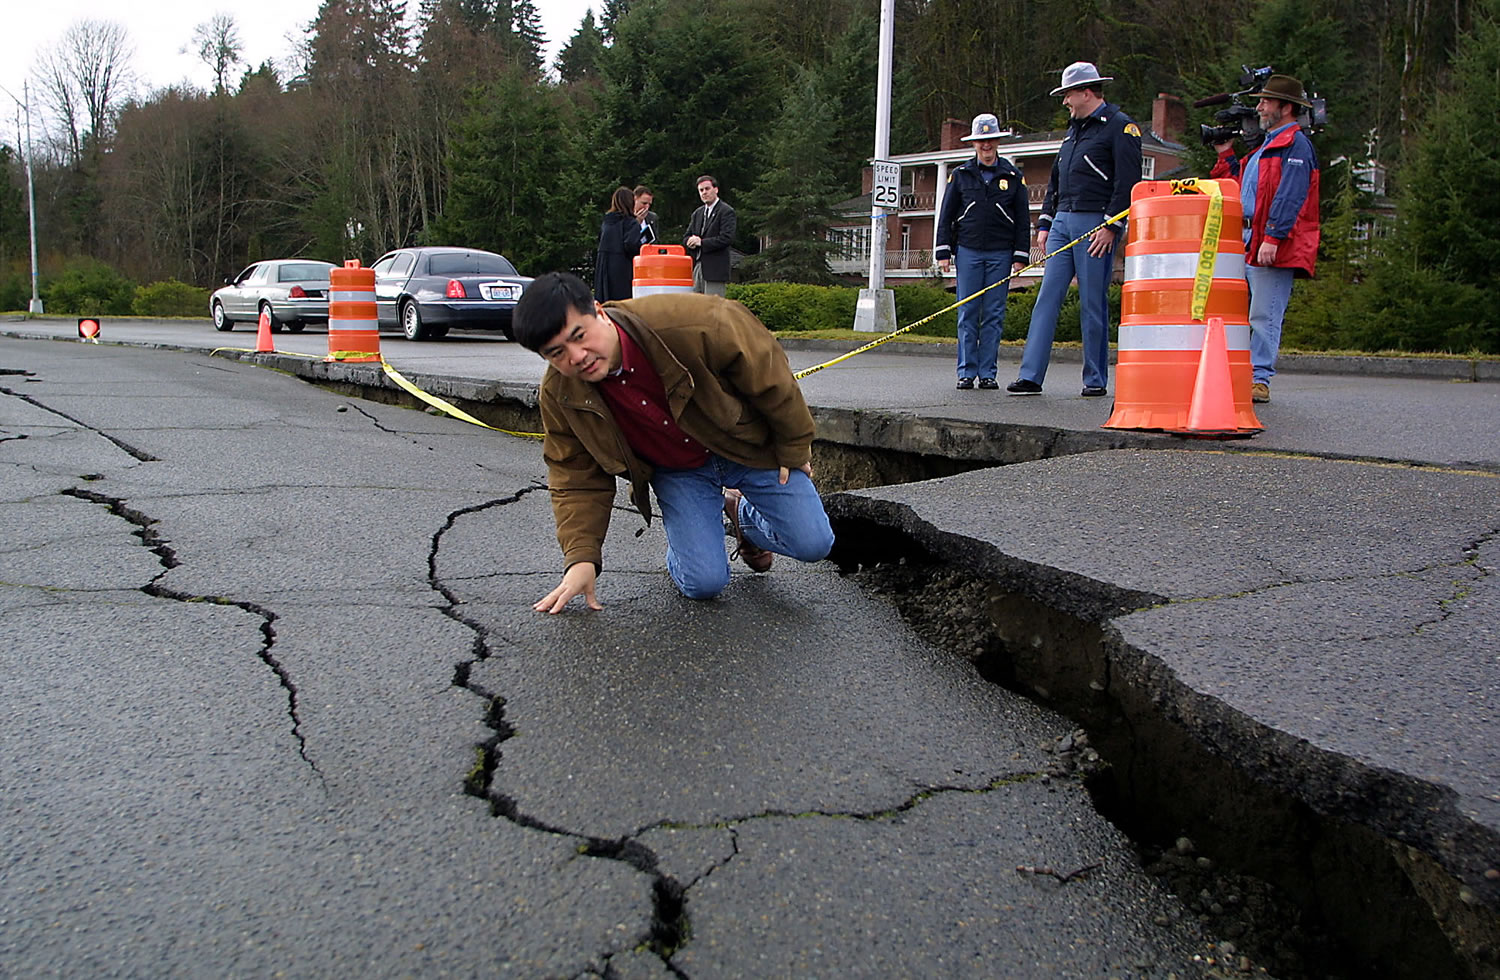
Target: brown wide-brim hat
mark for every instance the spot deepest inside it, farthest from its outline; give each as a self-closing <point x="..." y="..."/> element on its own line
<point x="1287" y="89"/>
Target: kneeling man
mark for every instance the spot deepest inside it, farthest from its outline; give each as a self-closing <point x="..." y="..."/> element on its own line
<point x="687" y="394"/>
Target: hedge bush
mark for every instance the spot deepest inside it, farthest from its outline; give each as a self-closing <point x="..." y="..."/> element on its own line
<point x="89" y="288"/>
<point x="794" y="307"/>
<point x="15" y="292"/>
<point x="169" y="298"/>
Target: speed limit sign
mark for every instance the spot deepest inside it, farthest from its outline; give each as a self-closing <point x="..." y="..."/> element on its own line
<point x="886" y="192"/>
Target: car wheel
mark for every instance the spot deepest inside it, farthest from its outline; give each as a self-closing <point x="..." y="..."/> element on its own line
<point x="265" y="310"/>
<point x="411" y="322"/>
<point x="295" y="326"/>
<point x="221" y="322"/>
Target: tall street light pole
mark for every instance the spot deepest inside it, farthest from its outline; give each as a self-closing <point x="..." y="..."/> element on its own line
<point x="876" y="309"/>
<point x="25" y="104"/>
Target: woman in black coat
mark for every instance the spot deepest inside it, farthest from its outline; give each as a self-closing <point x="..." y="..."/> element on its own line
<point x="619" y="243"/>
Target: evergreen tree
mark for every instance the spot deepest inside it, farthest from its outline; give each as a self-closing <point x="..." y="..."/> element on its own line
<point x="1452" y="220"/>
<point x="848" y="82"/>
<point x="687" y="92"/>
<point x="516" y="186"/>
<point x="358" y="41"/>
<point x="526" y="29"/>
<point x="609" y="18"/>
<point x="1434" y="287"/>
<point x="579" y="59"/>
<point x="14" y="241"/>
<point x="263" y="78"/>
<point x="791" y="203"/>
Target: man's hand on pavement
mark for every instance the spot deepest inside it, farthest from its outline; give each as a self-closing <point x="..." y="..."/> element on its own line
<point x="578" y="580"/>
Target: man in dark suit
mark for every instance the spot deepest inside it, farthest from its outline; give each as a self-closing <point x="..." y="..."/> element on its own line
<point x="710" y="233"/>
<point x="644" y="214"/>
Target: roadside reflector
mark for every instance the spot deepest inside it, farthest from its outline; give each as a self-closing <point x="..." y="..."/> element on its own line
<point x="88" y="329"/>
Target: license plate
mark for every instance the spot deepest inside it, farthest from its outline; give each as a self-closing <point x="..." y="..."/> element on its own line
<point x="495" y="290"/>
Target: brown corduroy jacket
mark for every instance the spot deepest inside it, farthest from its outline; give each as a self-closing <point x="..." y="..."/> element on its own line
<point x="728" y="385"/>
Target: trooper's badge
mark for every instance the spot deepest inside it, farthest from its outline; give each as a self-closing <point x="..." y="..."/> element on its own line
<point x="1004" y="184"/>
<point x="1131" y="129"/>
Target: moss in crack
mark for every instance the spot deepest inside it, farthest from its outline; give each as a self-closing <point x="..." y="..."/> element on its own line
<point x="477" y="781"/>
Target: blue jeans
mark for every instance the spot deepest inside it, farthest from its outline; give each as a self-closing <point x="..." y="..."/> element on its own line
<point x="1093" y="297"/>
<point x="788" y="520"/>
<point x="1270" y="291"/>
<point x="981" y="321"/>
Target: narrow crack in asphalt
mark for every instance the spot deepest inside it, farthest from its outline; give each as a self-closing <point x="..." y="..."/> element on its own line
<point x="159" y="546"/>
<point x="671" y="926"/>
<point x="125" y="447"/>
<point x="1462" y="590"/>
<point x="668" y="927"/>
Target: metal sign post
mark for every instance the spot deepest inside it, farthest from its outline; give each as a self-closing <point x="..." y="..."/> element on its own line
<point x="876" y="309"/>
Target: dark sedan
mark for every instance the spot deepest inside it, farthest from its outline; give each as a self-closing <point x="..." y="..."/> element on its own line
<point x="428" y="290"/>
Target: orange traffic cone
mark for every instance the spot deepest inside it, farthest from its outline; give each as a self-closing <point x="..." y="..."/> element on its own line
<point x="263" y="342"/>
<point x="1212" y="413"/>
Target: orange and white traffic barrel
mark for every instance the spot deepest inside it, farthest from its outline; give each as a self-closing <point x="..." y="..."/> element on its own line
<point x="1184" y="263"/>
<point x="353" y="324"/>
<point x="662" y="269"/>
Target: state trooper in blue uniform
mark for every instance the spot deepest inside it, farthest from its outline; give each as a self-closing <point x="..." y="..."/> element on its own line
<point x="1096" y="166"/>
<point x="986" y="220"/>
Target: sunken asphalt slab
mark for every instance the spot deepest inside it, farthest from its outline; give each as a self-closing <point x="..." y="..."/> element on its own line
<point x="836" y="796"/>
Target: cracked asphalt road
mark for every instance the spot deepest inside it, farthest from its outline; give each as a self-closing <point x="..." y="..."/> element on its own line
<point x="259" y="638"/>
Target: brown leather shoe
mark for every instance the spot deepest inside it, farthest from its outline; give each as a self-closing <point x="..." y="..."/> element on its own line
<point x="759" y="559"/>
<point x="1260" y="392"/>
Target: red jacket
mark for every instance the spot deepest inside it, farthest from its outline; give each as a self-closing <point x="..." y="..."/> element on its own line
<point x="1285" y="216"/>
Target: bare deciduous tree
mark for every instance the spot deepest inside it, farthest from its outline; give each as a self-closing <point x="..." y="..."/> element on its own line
<point x="216" y="42"/>
<point x="82" y="80"/>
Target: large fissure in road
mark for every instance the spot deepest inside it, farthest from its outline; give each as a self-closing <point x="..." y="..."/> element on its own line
<point x="1286" y="889"/>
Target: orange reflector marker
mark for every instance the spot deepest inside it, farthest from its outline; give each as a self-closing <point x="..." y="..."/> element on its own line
<point x="661" y="269"/>
<point x="88" y="329"/>
<point x="1161" y="344"/>
<point x="353" y="325"/>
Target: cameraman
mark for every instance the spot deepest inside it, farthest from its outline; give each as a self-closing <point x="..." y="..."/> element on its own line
<point x="1279" y="194"/>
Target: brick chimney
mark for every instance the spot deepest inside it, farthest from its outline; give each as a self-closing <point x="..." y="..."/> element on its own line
<point x="1168" y="117"/>
<point x="954" y="130"/>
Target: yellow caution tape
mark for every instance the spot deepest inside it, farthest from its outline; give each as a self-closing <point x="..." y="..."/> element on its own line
<point x="451" y="409"/>
<point x="401" y="382"/>
<point x="1208" y="249"/>
<point x="251" y="350"/>
<point x="928" y="319"/>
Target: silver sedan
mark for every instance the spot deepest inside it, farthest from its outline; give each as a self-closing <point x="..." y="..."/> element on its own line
<point x="293" y="291"/>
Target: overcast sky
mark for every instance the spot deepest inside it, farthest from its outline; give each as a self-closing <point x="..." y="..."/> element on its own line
<point x="160" y="30"/>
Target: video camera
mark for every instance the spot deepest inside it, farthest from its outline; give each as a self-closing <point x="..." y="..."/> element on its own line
<point x="1240" y="119"/>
